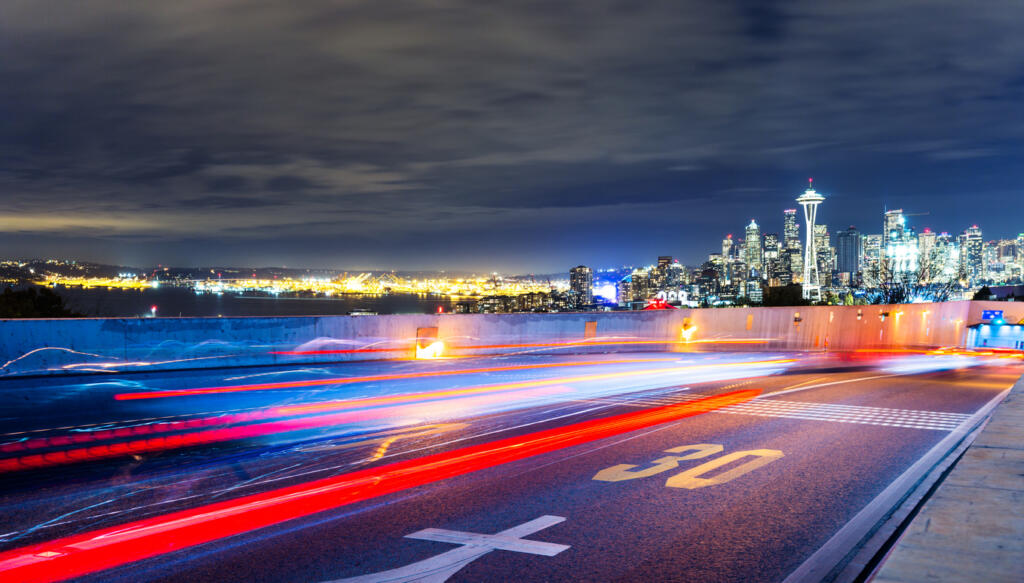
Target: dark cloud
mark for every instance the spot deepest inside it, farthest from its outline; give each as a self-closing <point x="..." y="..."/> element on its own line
<point x="454" y="133"/>
<point x="288" y="183"/>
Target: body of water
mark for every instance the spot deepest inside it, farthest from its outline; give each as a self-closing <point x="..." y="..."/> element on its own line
<point x="177" y="301"/>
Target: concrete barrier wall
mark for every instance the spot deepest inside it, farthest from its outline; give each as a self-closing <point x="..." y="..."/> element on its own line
<point x="87" y="345"/>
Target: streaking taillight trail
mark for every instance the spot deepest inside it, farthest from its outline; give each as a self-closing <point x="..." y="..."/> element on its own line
<point x="106" y="548"/>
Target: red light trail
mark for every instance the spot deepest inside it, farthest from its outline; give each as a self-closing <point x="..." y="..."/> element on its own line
<point x="213" y="429"/>
<point x="89" y="552"/>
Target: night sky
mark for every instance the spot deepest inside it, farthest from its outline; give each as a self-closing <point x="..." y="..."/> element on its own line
<point x="524" y="138"/>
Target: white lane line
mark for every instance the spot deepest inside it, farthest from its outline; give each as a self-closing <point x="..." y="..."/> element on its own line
<point x="830" y="554"/>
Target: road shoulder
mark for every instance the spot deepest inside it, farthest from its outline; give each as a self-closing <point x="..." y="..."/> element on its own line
<point x="972" y="528"/>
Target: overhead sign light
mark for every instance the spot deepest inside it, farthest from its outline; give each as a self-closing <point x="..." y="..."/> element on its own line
<point x="992" y="315"/>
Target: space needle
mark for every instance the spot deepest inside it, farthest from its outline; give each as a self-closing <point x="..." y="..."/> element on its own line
<point x="812" y="282"/>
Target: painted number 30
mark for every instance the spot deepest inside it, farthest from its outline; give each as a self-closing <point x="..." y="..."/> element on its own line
<point x="693" y="478"/>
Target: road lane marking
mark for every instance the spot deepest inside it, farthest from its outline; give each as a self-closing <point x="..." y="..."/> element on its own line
<point x="439" y="568"/>
<point x="623" y="472"/>
<point x="906" y="418"/>
<point x="764" y="406"/>
<point x="691" y="479"/>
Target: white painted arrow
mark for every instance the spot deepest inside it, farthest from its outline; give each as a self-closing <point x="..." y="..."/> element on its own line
<point x="439" y="568"/>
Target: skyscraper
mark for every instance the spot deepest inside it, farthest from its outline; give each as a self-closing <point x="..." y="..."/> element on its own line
<point x="810" y="200"/>
<point x="753" y="255"/>
<point x="790" y="229"/>
<point x="771" y="246"/>
<point x="871" y="259"/>
<point x="823" y="253"/>
<point x="925" y="246"/>
<point x="893" y="225"/>
<point x="728" y="249"/>
<point x="581" y="284"/>
<point x="972" y="255"/>
<point x="848" y="252"/>
<point x="901" y="251"/>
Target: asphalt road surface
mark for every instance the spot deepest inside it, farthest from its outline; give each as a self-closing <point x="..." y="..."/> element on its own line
<point x="615" y="467"/>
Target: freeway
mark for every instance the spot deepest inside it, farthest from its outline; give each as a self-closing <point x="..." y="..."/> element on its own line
<point x="597" y="467"/>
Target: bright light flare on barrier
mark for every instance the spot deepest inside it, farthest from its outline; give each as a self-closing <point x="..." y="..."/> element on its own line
<point x="433" y="350"/>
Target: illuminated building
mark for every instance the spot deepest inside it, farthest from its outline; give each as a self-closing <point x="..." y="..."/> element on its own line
<point x="972" y="255"/>
<point x="581" y="284"/>
<point x="925" y="243"/>
<point x="810" y="200"/>
<point x="823" y="253"/>
<point x="753" y="292"/>
<point x="790" y="229"/>
<point x="944" y="260"/>
<point x="625" y="291"/>
<point x="848" y="253"/>
<point x="771" y="256"/>
<point x="784" y="271"/>
<point x="791" y="261"/>
<point x="707" y="282"/>
<point x="752" y="252"/>
<point x="771" y="246"/>
<point x="666" y="275"/>
<point x="796" y="264"/>
<point x="727" y="248"/>
<point x="901" y="253"/>
<point x="893" y="225"/>
<point x="871" y="259"/>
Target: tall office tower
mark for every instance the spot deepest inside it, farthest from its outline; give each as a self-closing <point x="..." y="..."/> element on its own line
<point x="753" y="255"/>
<point x="848" y="253"/>
<point x="993" y="267"/>
<point x="625" y="291"/>
<point x="727" y="248"/>
<point x="581" y="284"/>
<point x="668" y="274"/>
<point x="796" y="263"/>
<point x="1006" y="251"/>
<point x="900" y="249"/>
<point x="972" y="254"/>
<point x="771" y="257"/>
<point x="675" y="275"/>
<point x="871" y="258"/>
<point x="894" y="223"/>
<point x="784" y="269"/>
<point x="810" y="200"/>
<point x="1020" y="250"/>
<point x="640" y="284"/>
<point x="790" y="229"/>
<point x="925" y="246"/>
<point x="771" y="246"/>
<point x="943" y="260"/>
<point x="739" y="272"/>
<point x="823" y="253"/>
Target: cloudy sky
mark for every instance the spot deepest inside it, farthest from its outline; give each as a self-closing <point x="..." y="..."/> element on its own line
<point x="516" y="136"/>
